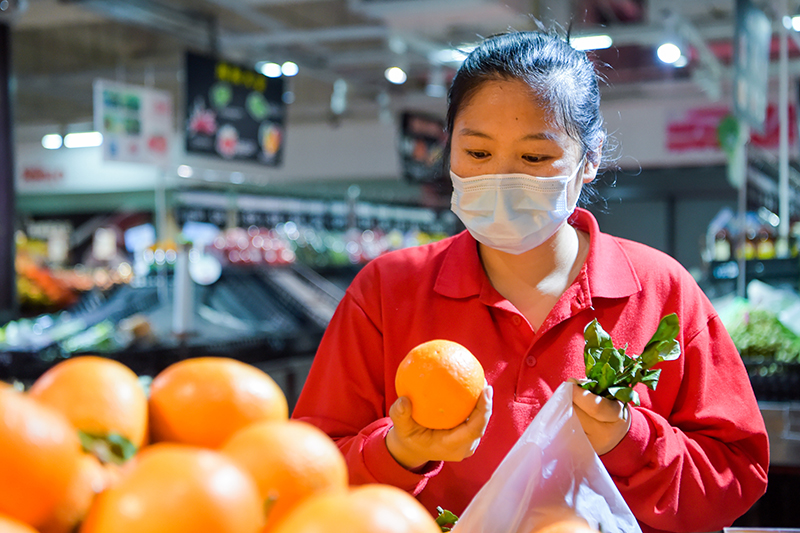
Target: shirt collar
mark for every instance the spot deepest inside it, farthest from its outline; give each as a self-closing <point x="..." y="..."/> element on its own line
<point x="608" y="272"/>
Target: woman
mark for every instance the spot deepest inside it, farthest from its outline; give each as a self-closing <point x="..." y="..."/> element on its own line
<point x="517" y="289"/>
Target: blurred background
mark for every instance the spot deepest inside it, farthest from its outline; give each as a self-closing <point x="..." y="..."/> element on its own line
<point x="205" y="177"/>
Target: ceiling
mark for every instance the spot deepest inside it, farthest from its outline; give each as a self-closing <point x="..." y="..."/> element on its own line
<point x="60" y="46"/>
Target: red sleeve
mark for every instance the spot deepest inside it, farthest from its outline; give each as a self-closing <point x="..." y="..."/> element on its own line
<point x="345" y="396"/>
<point x="707" y="460"/>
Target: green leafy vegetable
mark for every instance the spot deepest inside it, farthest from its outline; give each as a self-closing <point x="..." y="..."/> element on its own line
<point x="446" y="520"/>
<point x="611" y="373"/>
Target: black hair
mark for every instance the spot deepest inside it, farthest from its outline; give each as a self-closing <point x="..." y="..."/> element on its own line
<point x="562" y="78"/>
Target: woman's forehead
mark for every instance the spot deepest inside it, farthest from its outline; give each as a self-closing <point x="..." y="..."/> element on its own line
<point x="506" y="104"/>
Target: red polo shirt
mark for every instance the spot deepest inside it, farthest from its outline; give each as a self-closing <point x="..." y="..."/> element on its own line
<point x="696" y="455"/>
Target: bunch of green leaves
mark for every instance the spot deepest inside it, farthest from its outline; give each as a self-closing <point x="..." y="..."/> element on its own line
<point x="611" y="373"/>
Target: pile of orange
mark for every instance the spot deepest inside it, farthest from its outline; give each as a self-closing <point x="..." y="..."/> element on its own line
<point x="208" y="448"/>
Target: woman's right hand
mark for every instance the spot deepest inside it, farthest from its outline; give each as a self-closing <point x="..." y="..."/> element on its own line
<point x="413" y="445"/>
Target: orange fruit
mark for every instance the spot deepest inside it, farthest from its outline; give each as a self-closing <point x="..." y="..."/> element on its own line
<point x="443" y="380"/>
<point x="573" y="524"/>
<point x="101" y="397"/>
<point x="205" y="400"/>
<point x="89" y="481"/>
<point x="40" y="455"/>
<point x="175" y="488"/>
<point x="9" y="525"/>
<point x="414" y="516"/>
<point x="290" y="460"/>
<point x="388" y="510"/>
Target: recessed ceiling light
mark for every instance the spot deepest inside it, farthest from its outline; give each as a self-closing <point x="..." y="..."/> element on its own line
<point x="52" y="141"/>
<point x="395" y="75"/>
<point x="669" y="53"/>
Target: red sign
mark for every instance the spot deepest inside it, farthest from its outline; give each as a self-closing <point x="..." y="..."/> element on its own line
<point x="697" y="129"/>
<point x="40" y="174"/>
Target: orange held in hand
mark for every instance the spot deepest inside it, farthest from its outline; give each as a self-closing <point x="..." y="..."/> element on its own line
<point x="203" y="401"/>
<point x="443" y="380"/>
<point x="290" y="460"/>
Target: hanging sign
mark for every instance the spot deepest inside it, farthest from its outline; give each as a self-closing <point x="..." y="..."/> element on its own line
<point x="751" y="64"/>
<point x="422" y="143"/>
<point x="233" y="112"/>
<point x="136" y="122"/>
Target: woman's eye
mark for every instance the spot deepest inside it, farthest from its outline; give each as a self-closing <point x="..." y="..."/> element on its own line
<point x="533" y="158"/>
<point x="477" y="154"/>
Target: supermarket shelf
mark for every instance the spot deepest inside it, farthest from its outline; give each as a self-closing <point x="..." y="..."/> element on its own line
<point x="257" y="315"/>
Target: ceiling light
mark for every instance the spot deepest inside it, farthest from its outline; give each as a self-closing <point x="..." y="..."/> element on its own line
<point x="269" y="69"/>
<point x="395" y="75"/>
<point x="52" y="141"/>
<point x="84" y="139"/>
<point x="451" y="55"/>
<point x="796" y="23"/>
<point x="591" y="42"/>
<point x="289" y="68"/>
<point x="669" y="53"/>
<point x="185" y="171"/>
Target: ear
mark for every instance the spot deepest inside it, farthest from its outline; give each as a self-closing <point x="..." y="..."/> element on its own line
<point x="589" y="167"/>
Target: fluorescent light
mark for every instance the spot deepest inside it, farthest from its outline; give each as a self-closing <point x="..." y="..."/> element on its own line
<point x="52" y="141"/>
<point x="591" y="42"/>
<point x="269" y="69"/>
<point x="185" y="171"/>
<point x="669" y="53"/>
<point x="451" y="55"/>
<point x="289" y="68"/>
<point x="395" y="75"/>
<point x="84" y="139"/>
<point x="796" y="23"/>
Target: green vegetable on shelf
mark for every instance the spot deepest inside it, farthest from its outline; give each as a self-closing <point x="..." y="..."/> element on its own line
<point x="611" y="373"/>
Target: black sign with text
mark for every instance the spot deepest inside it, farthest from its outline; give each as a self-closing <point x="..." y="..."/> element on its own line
<point x="233" y="112"/>
<point x="422" y="142"/>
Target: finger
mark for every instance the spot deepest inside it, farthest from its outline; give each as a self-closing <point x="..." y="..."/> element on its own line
<point x="479" y="418"/>
<point x="400" y="413"/>
<point x="599" y="408"/>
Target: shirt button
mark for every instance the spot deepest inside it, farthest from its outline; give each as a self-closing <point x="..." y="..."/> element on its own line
<point x="516" y="320"/>
<point x="530" y="360"/>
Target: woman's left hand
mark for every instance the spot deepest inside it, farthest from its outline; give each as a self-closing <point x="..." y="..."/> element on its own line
<point x="605" y="422"/>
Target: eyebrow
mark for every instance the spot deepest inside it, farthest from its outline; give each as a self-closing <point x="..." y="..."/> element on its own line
<point x="530" y="137"/>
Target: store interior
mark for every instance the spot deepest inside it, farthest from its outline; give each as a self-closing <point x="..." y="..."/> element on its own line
<point x="191" y="243"/>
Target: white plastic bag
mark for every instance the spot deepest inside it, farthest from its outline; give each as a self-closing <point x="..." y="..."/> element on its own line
<point x="551" y="472"/>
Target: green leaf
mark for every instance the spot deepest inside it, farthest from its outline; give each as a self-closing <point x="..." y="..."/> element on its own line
<point x="607" y="377"/>
<point x="650" y="378"/>
<point x="589" y="360"/>
<point x="624" y="394"/>
<point x="595" y="336"/>
<point x="668" y="329"/>
<point x="446" y="520"/>
<point x="110" y="448"/>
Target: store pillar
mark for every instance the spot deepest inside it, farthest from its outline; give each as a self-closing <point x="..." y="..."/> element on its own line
<point x="7" y="195"/>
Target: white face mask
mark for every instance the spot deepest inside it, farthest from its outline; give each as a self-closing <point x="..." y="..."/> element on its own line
<point x="512" y="213"/>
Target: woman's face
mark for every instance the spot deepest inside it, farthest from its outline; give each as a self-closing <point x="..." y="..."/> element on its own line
<point x="502" y="129"/>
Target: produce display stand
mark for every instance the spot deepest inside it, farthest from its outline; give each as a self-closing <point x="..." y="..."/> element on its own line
<point x="269" y="317"/>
